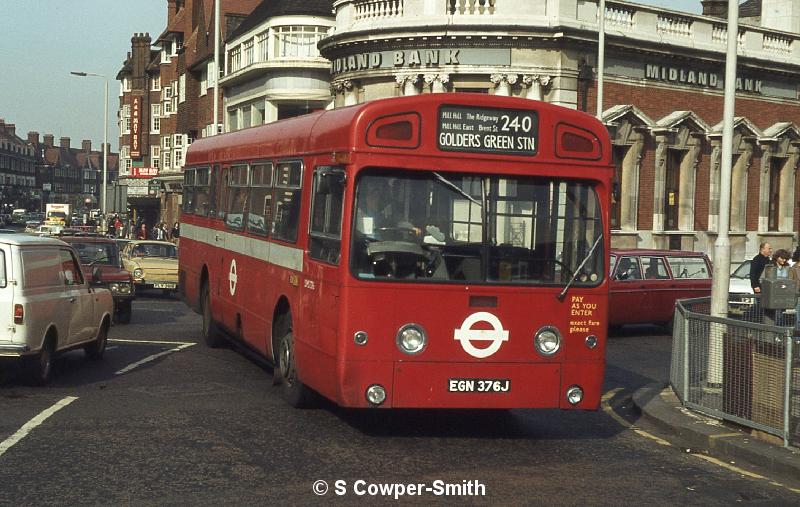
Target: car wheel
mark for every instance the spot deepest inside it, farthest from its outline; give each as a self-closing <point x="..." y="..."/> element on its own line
<point x="293" y="390"/>
<point x="40" y="366"/>
<point x="97" y="348"/>
<point x="124" y="312"/>
<point x="212" y="336"/>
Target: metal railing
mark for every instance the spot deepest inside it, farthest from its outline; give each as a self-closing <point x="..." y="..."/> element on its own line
<point x="744" y="368"/>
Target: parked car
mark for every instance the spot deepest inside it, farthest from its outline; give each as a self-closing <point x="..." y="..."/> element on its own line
<point x="103" y="254"/>
<point x="645" y="284"/>
<point x="50" y="306"/>
<point x="48" y="230"/>
<point x="154" y="264"/>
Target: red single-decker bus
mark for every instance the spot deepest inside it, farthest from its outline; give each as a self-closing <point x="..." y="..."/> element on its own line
<point x="443" y="251"/>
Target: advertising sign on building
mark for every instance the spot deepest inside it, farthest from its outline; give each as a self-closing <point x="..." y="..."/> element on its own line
<point x="143" y="172"/>
<point x="136" y="147"/>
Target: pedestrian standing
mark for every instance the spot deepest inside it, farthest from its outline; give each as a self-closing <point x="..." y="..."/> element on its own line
<point x="142" y="232"/>
<point x="117" y="227"/>
<point x="781" y="261"/>
<point x="757" y="266"/>
<point x="176" y="231"/>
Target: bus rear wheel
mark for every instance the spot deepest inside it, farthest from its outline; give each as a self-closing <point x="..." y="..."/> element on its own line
<point x="212" y="336"/>
<point x="293" y="390"/>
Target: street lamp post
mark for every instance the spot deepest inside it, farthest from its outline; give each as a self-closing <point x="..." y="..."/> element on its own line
<point x="105" y="137"/>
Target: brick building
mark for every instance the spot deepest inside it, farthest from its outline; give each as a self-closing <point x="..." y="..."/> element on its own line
<point x="69" y="175"/>
<point x="173" y="78"/>
<point x="17" y="171"/>
<point x="662" y="103"/>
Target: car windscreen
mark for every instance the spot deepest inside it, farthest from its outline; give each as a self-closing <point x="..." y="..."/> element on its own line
<point x="97" y="253"/>
<point x="743" y="271"/>
<point x="155" y="250"/>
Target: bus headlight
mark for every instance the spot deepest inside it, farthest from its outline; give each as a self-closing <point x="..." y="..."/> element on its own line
<point x="376" y="394"/>
<point x="547" y="341"/>
<point x="138" y="273"/>
<point x="574" y="395"/>
<point x="411" y="339"/>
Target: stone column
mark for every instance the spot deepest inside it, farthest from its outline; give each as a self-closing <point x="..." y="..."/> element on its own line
<point x="763" y="194"/>
<point x="686" y="191"/>
<point x="659" y="184"/>
<point x="739" y="189"/>
<point x="408" y="83"/>
<point x="629" y="186"/>
<point x="535" y="86"/>
<point x="503" y="83"/>
<point x="713" y="186"/>
<point x="437" y="82"/>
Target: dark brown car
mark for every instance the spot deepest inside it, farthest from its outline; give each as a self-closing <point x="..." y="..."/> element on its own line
<point x="102" y="254"/>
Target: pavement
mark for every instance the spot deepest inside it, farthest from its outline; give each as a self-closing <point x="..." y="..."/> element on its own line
<point x="659" y="405"/>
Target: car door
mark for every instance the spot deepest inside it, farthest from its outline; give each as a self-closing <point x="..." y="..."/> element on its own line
<point x="628" y="293"/>
<point x="79" y="298"/>
<point x="661" y="289"/>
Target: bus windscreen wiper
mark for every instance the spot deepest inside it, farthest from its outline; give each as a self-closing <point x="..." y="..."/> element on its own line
<point x="563" y="293"/>
<point x="455" y="187"/>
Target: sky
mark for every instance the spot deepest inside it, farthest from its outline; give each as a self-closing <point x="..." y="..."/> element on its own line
<point x="43" y="40"/>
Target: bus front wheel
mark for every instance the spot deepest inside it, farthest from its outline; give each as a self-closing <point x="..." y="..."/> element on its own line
<point x="211" y="334"/>
<point x="292" y="389"/>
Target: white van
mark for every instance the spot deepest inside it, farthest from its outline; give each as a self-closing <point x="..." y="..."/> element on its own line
<point x="46" y="304"/>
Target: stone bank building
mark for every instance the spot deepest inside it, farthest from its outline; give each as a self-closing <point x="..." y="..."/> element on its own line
<point x="663" y="96"/>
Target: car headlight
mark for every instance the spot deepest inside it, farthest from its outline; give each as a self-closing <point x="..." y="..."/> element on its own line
<point x="411" y="339"/>
<point x="120" y="287"/>
<point x="547" y="341"/>
<point x="138" y="273"/>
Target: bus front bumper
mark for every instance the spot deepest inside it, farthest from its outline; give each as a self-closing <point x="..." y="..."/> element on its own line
<point x="412" y="384"/>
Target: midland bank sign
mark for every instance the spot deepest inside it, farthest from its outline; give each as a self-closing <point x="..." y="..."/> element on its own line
<point x="699" y="78"/>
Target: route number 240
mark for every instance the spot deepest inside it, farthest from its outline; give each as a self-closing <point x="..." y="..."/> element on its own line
<point x="515" y="123"/>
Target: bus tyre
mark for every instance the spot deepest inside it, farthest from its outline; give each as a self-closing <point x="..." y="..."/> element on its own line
<point x="97" y="348"/>
<point x="39" y="368"/>
<point x="293" y="391"/>
<point x="211" y="334"/>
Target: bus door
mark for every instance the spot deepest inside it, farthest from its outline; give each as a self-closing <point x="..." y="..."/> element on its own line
<point x="321" y="285"/>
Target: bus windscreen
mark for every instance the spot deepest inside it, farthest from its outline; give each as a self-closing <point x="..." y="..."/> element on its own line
<point x="451" y="227"/>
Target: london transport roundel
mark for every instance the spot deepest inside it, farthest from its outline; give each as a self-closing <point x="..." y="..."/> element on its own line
<point x="232" y="277"/>
<point x="494" y="337"/>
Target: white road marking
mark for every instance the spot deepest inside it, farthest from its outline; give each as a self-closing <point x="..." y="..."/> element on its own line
<point x="152" y="358"/>
<point x="33" y="423"/>
<point x="150" y="342"/>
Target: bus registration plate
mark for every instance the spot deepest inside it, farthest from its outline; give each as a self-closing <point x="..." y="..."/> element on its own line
<point x="479" y="385"/>
<point x="164" y="285"/>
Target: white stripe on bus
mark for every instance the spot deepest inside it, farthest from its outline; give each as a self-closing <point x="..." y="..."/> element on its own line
<point x="261" y="249"/>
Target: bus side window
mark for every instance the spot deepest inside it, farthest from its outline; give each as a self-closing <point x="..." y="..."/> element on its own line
<point x="288" y="177"/>
<point x="188" y="191"/>
<point x="201" y="191"/>
<point x="325" y="234"/>
<point x="237" y="197"/>
<point x="259" y="216"/>
<point x="213" y="192"/>
<point x="222" y="192"/>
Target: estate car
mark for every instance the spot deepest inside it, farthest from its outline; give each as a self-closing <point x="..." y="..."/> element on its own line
<point x="645" y="284"/>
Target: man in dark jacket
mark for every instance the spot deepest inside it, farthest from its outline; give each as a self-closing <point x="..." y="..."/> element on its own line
<point x="757" y="265"/>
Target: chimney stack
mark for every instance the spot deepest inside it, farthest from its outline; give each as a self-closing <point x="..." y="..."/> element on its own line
<point x="65" y="142"/>
<point x="86" y="145"/>
<point x="33" y="137"/>
<point x="715" y="8"/>
<point x="11" y="129"/>
<point x="48" y="140"/>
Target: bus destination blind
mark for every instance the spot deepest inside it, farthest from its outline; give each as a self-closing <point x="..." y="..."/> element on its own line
<point x="480" y="130"/>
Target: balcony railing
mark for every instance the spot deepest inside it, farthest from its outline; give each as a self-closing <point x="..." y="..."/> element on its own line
<point x="369" y="9"/>
<point x="628" y="20"/>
